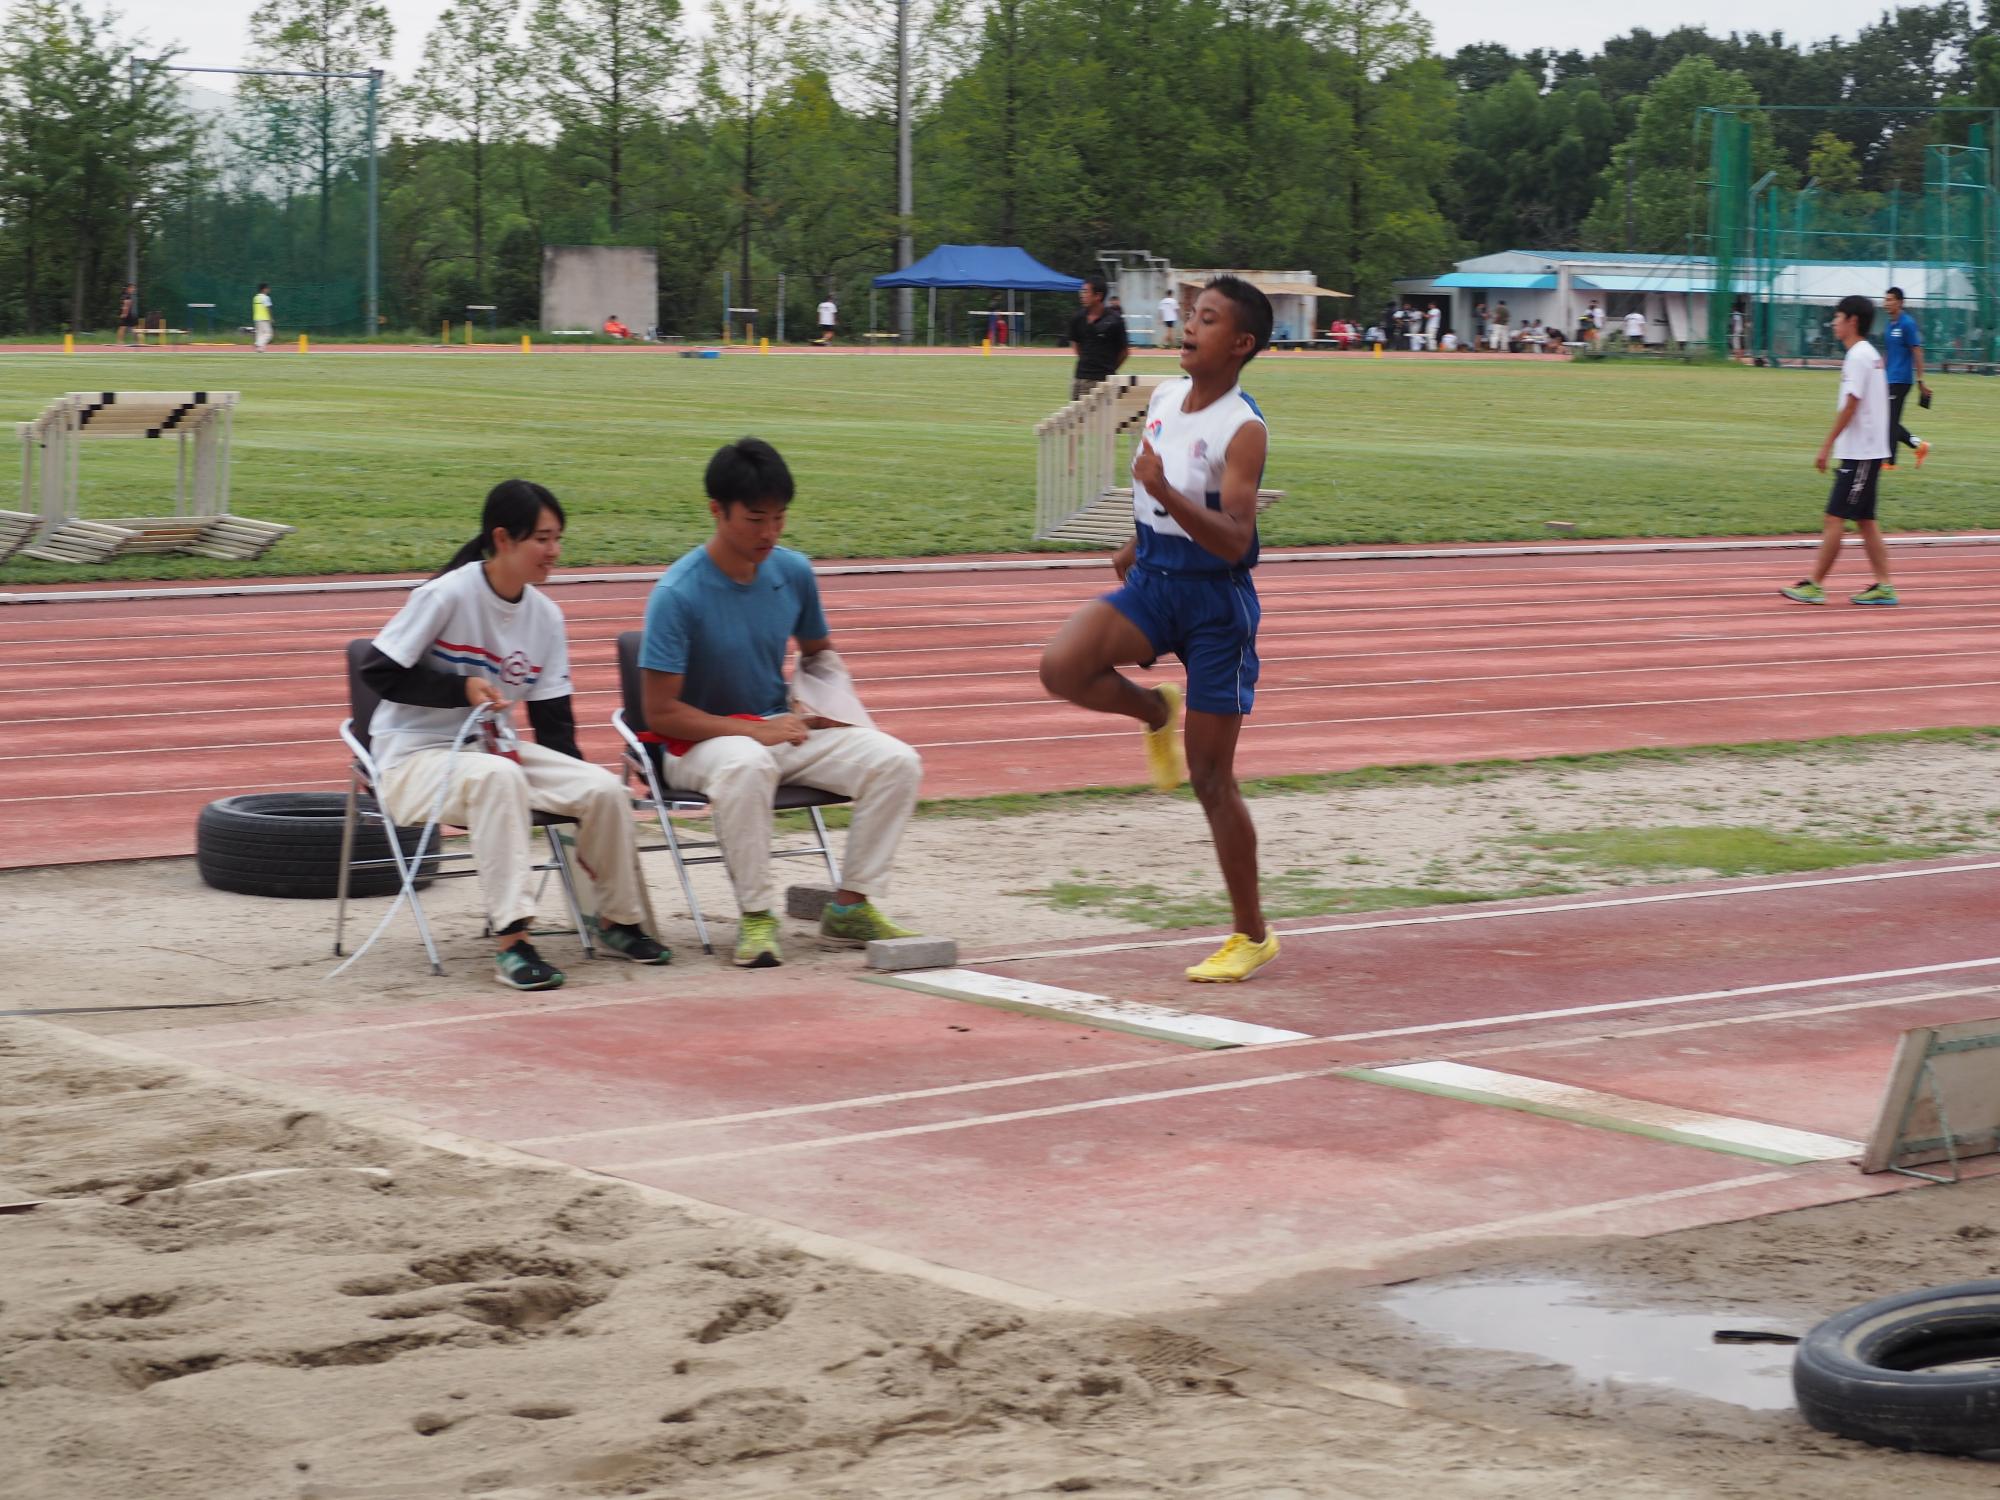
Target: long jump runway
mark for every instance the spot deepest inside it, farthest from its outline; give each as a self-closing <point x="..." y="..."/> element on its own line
<point x="1080" y="1124"/>
<point x="121" y="719"/>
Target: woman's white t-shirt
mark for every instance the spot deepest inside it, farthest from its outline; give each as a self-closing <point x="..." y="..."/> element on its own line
<point x="457" y="624"/>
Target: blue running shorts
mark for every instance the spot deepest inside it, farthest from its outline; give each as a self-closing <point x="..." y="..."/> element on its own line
<point x="1208" y="620"/>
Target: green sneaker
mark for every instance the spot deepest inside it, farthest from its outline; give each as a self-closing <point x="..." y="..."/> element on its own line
<point x="1805" y="591"/>
<point x="757" y="941"/>
<point x="858" y="925"/>
<point x="629" y="940"/>
<point x="1876" y="593"/>
<point x="520" y="967"/>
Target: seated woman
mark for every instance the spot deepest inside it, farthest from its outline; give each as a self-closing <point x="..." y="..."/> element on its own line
<point x="616" y="329"/>
<point x="481" y="633"/>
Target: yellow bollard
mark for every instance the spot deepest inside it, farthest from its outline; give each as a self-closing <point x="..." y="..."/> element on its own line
<point x="69" y="343"/>
<point x="526" y="347"/>
<point x="986" y="346"/>
<point x="303" y="346"/>
<point x="1378" y="351"/>
<point x="763" y="346"/>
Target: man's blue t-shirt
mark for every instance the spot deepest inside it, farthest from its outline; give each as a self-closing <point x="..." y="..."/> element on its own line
<point x="727" y="640"/>
<point x="1898" y="339"/>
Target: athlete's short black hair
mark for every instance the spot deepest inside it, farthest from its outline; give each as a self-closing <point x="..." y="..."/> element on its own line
<point x="746" y="472"/>
<point x="1095" y="283"/>
<point x="1860" y="309"/>
<point x="1252" y="310"/>
<point x="1897" y="293"/>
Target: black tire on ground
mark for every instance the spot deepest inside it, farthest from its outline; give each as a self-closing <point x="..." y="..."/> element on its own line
<point x="1919" y="1370"/>
<point x="288" y="844"/>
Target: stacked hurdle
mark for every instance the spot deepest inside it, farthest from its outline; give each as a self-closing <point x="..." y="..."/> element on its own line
<point x="1083" y="490"/>
<point x="198" y="421"/>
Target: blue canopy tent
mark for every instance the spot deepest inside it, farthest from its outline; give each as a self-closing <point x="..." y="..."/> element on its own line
<point x="1005" y="268"/>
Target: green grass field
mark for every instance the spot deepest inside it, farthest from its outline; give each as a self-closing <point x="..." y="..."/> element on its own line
<point x="381" y="460"/>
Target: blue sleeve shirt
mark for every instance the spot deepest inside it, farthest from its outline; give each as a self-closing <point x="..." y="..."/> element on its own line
<point x="727" y="641"/>
<point x="1898" y="339"/>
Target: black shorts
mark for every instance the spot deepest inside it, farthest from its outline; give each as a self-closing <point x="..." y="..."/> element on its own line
<point x="1853" y="497"/>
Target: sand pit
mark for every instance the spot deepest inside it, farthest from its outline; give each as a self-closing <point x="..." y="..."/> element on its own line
<point x="445" y="1323"/>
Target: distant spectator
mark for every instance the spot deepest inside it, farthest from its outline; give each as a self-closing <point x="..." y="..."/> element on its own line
<point x="1478" y="324"/>
<point x="1097" y="334"/>
<point x="1170" y="315"/>
<point x="128" y="313"/>
<point x="1449" y="343"/>
<point x="1635" y="329"/>
<point x="1500" y="321"/>
<point x="829" y="318"/>
<point x="618" y="330"/>
<point x="1374" y="335"/>
<point x="1593" y="321"/>
<point x="1432" y="319"/>
<point x="1553" y="341"/>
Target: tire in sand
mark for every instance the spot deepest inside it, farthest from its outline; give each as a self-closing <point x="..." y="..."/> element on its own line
<point x="1919" y="1370"/>
<point x="288" y="844"/>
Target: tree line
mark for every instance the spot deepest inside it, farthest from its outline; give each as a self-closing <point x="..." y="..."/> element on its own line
<point x="1320" y="134"/>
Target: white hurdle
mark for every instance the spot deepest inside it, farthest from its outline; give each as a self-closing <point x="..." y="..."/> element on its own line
<point x="1083" y="490"/>
<point x="199" y="422"/>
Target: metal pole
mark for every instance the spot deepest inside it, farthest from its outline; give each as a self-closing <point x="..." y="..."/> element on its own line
<point x="781" y="307"/>
<point x="132" y="211"/>
<point x="725" y="307"/>
<point x="906" y="322"/>
<point x="374" y="250"/>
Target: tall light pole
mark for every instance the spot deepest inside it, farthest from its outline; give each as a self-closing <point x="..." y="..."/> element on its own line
<point x="906" y="312"/>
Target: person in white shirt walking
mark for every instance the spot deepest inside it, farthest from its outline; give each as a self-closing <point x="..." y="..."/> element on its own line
<point x="1859" y="442"/>
<point x="260" y="314"/>
<point x="1635" y="329"/>
<point x="1170" y="317"/>
<point x="829" y="316"/>
<point x="1432" y="318"/>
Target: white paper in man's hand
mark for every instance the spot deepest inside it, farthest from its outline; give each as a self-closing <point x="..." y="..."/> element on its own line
<point x="823" y="688"/>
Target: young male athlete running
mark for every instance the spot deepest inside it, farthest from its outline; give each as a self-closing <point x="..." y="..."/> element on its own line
<point x="1186" y="589"/>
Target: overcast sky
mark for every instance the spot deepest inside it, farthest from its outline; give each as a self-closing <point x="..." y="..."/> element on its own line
<point x="213" y="32"/>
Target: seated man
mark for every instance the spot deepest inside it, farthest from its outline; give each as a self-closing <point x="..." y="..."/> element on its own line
<point x="718" y="626"/>
<point x="618" y="330"/>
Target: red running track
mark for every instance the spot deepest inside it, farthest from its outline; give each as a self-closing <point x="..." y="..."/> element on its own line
<point x="122" y="719"/>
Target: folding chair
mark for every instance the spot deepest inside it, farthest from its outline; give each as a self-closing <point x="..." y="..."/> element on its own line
<point x="364" y="778"/>
<point x="646" y="762"/>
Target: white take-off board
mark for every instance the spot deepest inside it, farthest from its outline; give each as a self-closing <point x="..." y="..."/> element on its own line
<point x="1942" y="1103"/>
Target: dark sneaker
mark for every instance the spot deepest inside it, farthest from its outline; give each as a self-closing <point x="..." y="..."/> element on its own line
<point x="1876" y="593"/>
<point x="858" y="925"/>
<point x="629" y="940"/>
<point x="1805" y="591"/>
<point x="520" y="967"/>
<point x="757" y="941"/>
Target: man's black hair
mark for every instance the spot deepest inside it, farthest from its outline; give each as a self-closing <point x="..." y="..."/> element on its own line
<point x="746" y="472"/>
<point x="1252" y="310"/>
<point x="1897" y="293"/>
<point x="1860" y="309"/>
<point x="1095" y="283"/>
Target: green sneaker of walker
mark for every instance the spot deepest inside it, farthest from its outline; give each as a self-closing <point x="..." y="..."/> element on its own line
<point x="1876" y="593"/>
<point x="757" y="941"/>
<point x="858" y="925"/>
<point x="1805" y="591"/>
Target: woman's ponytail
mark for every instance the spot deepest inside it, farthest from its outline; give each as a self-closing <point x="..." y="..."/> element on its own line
<point x="514" y="506"/>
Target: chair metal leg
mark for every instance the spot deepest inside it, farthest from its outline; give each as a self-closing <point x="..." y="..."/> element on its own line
<point x="825" y="848"/>
<point x="346" y="857"/>
<point x="561" y="857"/>
<point x="407" y="865"/>
<point x="666" y="822"/>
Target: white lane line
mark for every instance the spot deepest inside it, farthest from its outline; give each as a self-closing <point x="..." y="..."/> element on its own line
<point x="1052" y="563"/>
<point x="1253" y="726"/>
<point x="1069" y="1005"/>
<point x="1583" y="1106"/>
<point x="1742" y="992"/>
<point x="1501" y="913"/>
<point x="1187" y="1059"/>
<point x="821" y="1143"/>
<point x="232" y="789"/>
<point x="1382" y="1252"/>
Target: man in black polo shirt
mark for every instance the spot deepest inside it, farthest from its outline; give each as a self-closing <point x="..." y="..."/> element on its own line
<point x="1098" y="335"/>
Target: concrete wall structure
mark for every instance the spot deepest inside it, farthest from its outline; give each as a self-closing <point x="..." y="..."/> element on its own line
<point x="582" y="285"/>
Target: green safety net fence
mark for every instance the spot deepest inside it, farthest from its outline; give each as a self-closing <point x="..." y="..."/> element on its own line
<point x="277" y="190"/>
<point x="1923" y="213"/>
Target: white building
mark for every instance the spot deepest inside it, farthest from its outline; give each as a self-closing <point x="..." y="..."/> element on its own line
<point x="1556" y="287"/>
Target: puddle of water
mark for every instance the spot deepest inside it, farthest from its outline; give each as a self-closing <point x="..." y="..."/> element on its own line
<point x="1582" y="1326"/>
